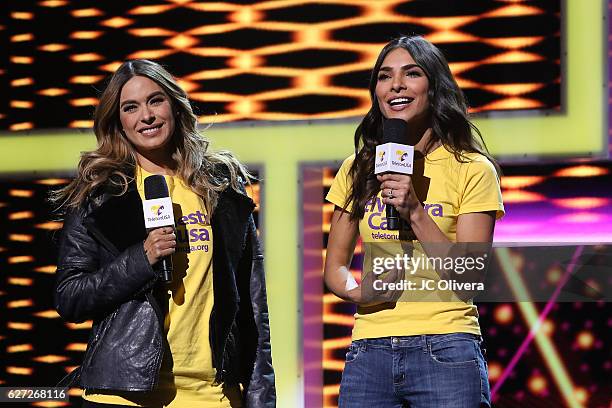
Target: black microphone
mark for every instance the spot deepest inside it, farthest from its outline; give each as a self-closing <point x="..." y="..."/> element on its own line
<point x="157" y="208"/>
<point x="393" y="156"/>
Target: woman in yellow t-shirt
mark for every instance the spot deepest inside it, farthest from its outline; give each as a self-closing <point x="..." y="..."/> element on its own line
<point x="419" y="345"/>
<point x="202" y="340"/>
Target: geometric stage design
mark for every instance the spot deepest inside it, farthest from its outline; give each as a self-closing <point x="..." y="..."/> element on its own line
<point x="540" y="354"/>
<point x="269" y="60"/>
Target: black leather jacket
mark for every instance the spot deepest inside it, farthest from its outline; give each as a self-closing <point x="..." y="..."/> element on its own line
<point x="103" y="274"/>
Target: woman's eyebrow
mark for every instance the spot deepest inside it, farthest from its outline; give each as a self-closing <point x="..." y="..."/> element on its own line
<point x="152" y="95"/>
<point x="404" y="67"/>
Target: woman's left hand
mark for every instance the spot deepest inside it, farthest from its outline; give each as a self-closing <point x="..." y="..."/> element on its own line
<point x="397" y="190"/>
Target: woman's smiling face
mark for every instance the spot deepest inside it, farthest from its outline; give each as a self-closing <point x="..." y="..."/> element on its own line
<point x="146" y="114"/>
<point x="402" y="88"/>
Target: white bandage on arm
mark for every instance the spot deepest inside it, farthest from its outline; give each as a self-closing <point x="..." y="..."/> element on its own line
<point x="350" y="282"/>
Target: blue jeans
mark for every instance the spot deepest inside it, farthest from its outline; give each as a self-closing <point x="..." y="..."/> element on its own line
<point x="441" y="371"/>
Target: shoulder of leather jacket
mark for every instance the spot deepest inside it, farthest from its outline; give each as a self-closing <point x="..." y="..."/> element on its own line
<point x="108" y="189"/>
<point x="222" y="175"/>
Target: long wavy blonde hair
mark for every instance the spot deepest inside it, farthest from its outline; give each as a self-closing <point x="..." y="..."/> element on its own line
<point x="113" y="162"/>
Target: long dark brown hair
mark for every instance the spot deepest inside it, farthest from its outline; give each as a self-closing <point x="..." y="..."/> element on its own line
<point x="448" y="119"/>
<point x="113" y="162"/>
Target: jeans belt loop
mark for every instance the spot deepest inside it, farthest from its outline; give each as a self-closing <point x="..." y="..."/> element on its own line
<point x="425" y="341"/>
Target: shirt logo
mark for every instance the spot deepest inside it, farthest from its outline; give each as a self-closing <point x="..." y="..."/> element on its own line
<point x="435" y="210"/>
<point x="377" y="221"/>
<point x="193" y="232"/>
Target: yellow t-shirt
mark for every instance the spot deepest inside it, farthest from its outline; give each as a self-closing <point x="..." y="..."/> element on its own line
<point x="447" y="189"/>
<point x="189" y="382"/>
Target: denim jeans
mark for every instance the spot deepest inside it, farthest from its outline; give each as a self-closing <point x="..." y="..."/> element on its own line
<point x="441" y="371"/>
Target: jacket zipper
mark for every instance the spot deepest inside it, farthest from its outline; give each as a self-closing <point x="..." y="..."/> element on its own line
<point x="213" y="342"/>
<point x="160" y="355"/>
<point x="95" y="342"/>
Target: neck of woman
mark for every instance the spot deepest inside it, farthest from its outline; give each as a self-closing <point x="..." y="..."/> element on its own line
<point x="157" y="162"/>
<point x="424" y="144"/>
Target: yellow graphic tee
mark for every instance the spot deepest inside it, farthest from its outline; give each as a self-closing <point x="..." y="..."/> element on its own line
<point x="447" y="189"/>
<point x="188" y="382"/>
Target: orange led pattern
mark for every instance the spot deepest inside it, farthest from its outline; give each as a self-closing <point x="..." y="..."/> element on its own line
<point x="273" y="60"/>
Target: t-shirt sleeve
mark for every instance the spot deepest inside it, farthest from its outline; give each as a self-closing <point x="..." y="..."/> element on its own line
<point x="339" y="190"/>
<point x="481" y="191"/>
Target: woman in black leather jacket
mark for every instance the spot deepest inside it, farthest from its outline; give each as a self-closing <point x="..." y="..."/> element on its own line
<point x="203" y="339"/>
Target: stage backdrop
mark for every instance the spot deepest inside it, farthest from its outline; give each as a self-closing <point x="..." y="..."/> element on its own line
<point x="296" y="60"/>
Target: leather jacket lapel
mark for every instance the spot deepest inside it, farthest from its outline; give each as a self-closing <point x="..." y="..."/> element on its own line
<point x="229" y="222"/>
<point x="117" y="221"/>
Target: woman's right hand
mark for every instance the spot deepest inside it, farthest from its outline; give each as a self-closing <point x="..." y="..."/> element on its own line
<point x="340" y="247"/>
<point x="160" y="242"/>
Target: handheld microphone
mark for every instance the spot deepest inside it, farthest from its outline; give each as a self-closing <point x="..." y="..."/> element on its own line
<point x="157" y="209"/>
<point x="392" y="156"/>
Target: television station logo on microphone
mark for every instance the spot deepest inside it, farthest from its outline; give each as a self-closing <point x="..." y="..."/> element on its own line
<point x="381" y="156"/>
<point x="402" y="155"/>
<point x="158" y="212"/>
<point x="401" y="158"/>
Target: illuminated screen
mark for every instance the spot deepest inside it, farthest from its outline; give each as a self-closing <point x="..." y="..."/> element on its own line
<point x="270" y="61"/>
<point x="563" y="364"/>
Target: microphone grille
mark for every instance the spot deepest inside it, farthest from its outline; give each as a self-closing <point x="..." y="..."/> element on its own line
<point x="394" y="131"/>
<point x="155" y="187"/>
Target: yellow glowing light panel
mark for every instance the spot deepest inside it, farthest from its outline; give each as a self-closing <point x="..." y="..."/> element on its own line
<point x="272" y="60"/>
